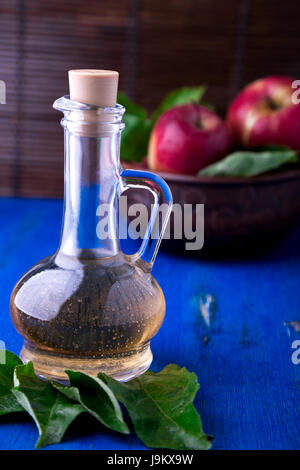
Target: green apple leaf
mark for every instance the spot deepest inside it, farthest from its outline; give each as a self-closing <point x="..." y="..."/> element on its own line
<point x="131" y="107"/>
<point x="178" y="97"/>
<point x="160" y="404"/>
<point x="51" y="410"/>
<point x="8" y="402"/>
<point x="135" y="138"/>
<point x="161" y="408"/>
<point x="248" y="163"/>
<point x="96" y="398"/>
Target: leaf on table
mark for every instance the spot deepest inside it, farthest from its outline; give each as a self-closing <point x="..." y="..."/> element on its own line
<point x="161" y="408"/>
<point x="51" y="410"/>
<point x="178" y="97"/>
<point x="8" y="402"/>
<point x="96" y="398"/>
<point x="251" y="163"/>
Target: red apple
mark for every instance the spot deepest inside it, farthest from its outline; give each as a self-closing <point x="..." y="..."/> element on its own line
<point x="187" y="138"/>
<point x="264" y="113"/>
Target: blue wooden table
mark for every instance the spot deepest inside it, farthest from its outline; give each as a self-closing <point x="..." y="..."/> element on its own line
<point x="250" y="389"/>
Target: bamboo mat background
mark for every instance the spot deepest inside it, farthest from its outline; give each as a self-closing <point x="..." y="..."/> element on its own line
<point x="157" y="46"/>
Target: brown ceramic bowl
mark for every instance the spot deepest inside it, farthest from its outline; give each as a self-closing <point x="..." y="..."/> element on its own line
<point x="239" y="212"/>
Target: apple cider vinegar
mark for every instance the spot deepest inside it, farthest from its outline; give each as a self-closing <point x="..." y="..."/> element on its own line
<point x="89" y="306"/>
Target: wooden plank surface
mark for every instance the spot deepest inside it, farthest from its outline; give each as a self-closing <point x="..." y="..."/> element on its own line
<point x="249" y="396"/>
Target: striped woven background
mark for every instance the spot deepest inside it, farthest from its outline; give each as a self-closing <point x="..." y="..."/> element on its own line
<point x="156" y="45"/>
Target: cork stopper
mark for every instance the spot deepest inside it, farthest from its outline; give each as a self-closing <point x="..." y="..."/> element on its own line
<point x="94" y="87"/>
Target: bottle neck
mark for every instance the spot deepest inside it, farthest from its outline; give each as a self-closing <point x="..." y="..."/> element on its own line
<point x="90" y="223"/>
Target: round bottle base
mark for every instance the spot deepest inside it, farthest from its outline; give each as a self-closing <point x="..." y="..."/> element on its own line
<point x="50" y="365"/>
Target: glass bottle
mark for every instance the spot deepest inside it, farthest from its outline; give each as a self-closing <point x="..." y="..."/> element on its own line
<point x="90" y="307"/>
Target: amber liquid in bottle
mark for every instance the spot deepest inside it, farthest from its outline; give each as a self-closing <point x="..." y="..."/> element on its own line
<point x="100" y="316"/>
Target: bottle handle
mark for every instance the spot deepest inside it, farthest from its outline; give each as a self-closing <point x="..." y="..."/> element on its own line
<point x="162" y="194"/>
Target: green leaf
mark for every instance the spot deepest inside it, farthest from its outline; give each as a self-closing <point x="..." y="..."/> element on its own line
<point x="52" y="411"/>
<point x="160" y="404"/>
<point x="8" y="402"/>
<point x="161" y="408"/>
<point x="131" y="107"/>
<point x="250" y="163"/>
<point x="96" y="398"/>
<point x="135" y="138"/>
<point x="178" y="97"/>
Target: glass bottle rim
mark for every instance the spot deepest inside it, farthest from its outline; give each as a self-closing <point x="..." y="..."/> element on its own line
<point x="65" y="104"/>
<point x="87" y="120"/>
